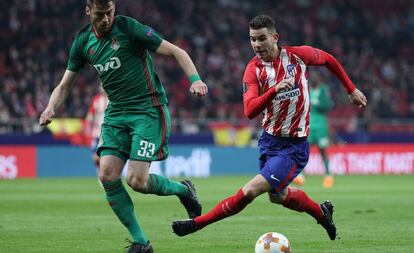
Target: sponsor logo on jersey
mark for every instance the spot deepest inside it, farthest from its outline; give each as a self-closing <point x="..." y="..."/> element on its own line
<point x="113" y="63"/>
<point x="115" y="44"/>
<point x="288" y="95"/>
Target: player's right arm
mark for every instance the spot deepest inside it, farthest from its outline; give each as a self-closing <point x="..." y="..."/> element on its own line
<point x="76" y="61"/>
<point x="254" y="103"/>
<point x="58" y="96"/>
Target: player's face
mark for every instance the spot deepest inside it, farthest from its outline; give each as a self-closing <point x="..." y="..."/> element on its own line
<point x="102" y="16"/>
<point x="264" y="43"/>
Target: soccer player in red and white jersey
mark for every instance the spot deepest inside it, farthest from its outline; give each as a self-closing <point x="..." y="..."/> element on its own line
<point x="94" y="120"/>
<point x="275" y="83"/>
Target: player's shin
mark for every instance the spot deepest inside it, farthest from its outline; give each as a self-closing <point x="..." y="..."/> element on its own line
<point x="299" y="201"/>
<point x="227" y="207"/>
<point x="163" y="186"/>
<point x="122" y="205"/>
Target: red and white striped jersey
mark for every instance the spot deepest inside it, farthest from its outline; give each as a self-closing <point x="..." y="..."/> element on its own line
<point x="96" y="114"/>
<point x="286" y="114"/>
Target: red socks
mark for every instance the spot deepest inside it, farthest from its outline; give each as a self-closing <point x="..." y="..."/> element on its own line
<point x="297" y="200"/>
<point x="227" y="207"/>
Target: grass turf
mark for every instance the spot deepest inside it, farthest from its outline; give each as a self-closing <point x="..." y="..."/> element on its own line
<point x="373" y="214"/>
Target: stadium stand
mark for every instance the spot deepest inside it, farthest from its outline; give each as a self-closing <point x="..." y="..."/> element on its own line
<point x="372" y="39"/>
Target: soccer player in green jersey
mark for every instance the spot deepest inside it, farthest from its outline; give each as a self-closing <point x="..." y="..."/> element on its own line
<point x="321" y="104"/>
<point x="137" y="121"/>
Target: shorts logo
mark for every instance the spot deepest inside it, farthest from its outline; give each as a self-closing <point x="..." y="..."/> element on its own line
<point x="274" y="178"/>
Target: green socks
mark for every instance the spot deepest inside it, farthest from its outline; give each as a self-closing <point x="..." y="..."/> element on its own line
<point x="163" y="186"/>
<point x="325" y="161"/>
<point x="121" y="204"/>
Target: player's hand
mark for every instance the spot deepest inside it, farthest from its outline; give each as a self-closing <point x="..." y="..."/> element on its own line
<point x="358" y="98"/>
<point x="46" y="117"/>
<point x="199" y="88"/>
<point x="285" y="85"/>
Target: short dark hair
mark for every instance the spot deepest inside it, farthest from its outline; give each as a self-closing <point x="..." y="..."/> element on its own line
<point x="263" y="21"/>
<point x="90" y="3"/>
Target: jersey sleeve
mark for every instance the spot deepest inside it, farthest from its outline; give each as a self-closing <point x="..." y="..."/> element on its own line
<point x="317" y="57"/>
<point x="254" y="103"/>
<point x="144" y="35"/>
<point x="76" y="61"/>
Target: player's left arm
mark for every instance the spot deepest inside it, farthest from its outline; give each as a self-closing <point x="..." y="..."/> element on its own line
<point x="316" y="57"/>
<point x="197" y="85"/>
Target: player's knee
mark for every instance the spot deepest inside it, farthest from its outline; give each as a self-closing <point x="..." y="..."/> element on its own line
<point x="274" y="198"/>
<point x="250" y="192"/>
<point x="278" y="198"/>
<point x="137" y="184"/>
<point x="105" y="174"/>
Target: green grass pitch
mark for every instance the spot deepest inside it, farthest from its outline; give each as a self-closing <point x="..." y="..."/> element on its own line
<point x="373" y="214"/>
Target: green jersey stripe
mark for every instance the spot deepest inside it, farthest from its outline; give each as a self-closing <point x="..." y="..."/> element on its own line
<point x="161" y="153"/>
<point x="151" y="90"/>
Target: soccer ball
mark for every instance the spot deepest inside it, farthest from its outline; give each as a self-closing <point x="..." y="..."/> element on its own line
<point x="272" y="242"/>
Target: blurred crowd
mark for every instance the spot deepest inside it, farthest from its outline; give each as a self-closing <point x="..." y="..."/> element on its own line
<point x="373" y="39"/>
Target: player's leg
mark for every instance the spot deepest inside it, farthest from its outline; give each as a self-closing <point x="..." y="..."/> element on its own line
<point x="117" y="196"/>
<point x="95" y="157"/>
<point x="140" y="180"/>
<point x="323" y="143"/>
<point x="280" y="171"/>
<point x="150" y="135"/>
<point x="297" y="200"/>
<point x="227" y="207"/>
<point x="294" y="198"/>
<point x="113" y="149"/>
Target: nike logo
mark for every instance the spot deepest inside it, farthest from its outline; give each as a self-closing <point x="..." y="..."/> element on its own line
<point x="274" y="178"/>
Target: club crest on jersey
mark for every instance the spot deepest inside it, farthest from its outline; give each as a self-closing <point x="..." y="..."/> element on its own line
<point x="150" y="32"/>
<point x="291" y="69"/>
<point x="114" y="44"/>
<point x="91" y="51"/>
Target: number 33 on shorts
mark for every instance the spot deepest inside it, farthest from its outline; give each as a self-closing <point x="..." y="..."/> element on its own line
<point x="147" y="149"/>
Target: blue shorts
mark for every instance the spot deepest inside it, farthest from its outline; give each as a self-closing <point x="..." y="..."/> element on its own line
<point x="282" y="159"/>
